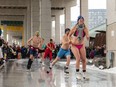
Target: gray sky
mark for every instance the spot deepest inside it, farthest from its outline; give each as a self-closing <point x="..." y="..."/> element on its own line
<point x="97" y="4"/>
<point x="92" y="4"/>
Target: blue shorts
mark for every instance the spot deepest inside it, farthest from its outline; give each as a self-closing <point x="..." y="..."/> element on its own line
<point x="33" y="52"/>
<point x="63" y="52"/>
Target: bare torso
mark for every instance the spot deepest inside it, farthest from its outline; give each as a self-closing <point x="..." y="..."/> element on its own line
<point x="65" y="42"/>
<point x="75" y="41"/>
<point x="78" y="39"/>
<point x="36" y="41"/>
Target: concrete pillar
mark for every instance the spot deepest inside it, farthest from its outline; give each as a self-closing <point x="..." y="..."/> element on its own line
<point x="67" y="11"/>
<point x="10" y="39"/>
<point x="53" y="28"/>
<point x="111" y="31"/>
<point x="84" y="13"/>
<point x="57" y="29"/>
<point x="110" y="42"/>
<point x="45" y="18"/>
<point x="57" y="14"/>
<point x="35" y="16"/>
<point x="5" y="32"/>
<point x="25" y="30"/>
<point x="33" y="21"/>
<point x="111" y="11"/>
<point x="28" y="19"/>
<point x="84" y="10"/>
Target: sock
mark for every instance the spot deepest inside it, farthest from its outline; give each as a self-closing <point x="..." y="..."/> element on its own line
<point x="77" y="70"/>
<point x="84" y="70"/>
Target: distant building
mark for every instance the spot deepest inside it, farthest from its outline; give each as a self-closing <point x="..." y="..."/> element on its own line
<point x="96" y="17"/>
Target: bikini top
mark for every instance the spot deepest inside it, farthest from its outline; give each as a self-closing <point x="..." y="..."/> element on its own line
<point x="79" y="33"/>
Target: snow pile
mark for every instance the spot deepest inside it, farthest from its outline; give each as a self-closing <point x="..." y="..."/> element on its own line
<point x="93" y="67"/>
<point x="111" y="70"/>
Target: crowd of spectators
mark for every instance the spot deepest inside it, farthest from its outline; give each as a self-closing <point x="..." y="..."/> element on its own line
<point x="97" y="51"/>
<point x="17" y="52"/>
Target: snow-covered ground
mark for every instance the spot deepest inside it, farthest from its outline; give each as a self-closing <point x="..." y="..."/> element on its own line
<point x="111" y="70"/>
<point x="92" y="67"/>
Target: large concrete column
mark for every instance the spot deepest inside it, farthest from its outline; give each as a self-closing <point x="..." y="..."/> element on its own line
<point x="57" y="14"/>
<point x="45" y="24"/>
<point x="53" y="28"/>
<point x="68" y="17"/>
<point x="111" y="32"/>
<point x="5" y="32"/>
<point x="29" y="20"/>
<point x="84" y="13"/>
<point x="84" y="10"/>
<point x="35" y="16"/>
<point x="68" y="5"/>
<point x="10" y="39"/>
<point x="111" y="11"/>
<point x="25" y="30"/>
<point x="57" y="29"/>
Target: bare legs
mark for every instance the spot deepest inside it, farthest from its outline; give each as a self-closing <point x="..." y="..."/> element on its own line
<point x="79" y="55"/>
<point x="30" y="61"/>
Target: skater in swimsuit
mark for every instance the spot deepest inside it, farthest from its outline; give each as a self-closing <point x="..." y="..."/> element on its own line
<point x="34" y="48"/>
<point x="79" y="31"/>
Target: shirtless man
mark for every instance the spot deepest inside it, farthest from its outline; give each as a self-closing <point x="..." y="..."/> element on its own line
<point x="64" y="51"/>
<point x="34" y="46"/>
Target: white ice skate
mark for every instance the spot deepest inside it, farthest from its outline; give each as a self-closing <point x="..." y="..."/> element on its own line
<point x="42" y="63"/>
<point x="50" y="67"/>
<point x="66" y="70"/>
<point x="78" y="76"/>
<point x="85" y="77"/>
<point x="28" y="70"/>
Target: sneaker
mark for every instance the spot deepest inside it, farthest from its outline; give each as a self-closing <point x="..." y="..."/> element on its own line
<point x="50" y="67"/>
<point x="43" y="63"/>
<point x="66" y="70"/>
<point x="78" y="75"/>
